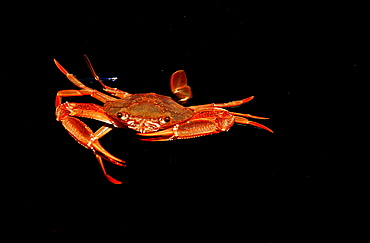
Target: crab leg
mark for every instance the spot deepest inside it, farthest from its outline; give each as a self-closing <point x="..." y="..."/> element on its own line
<point x="84" y="89"/>
<point x="195" y="128"/>
<point x="245" y="121"/>
<point x="220" y="105"/>
<point x="84" y="135"/>
<point x="205" y="121"/>
<point x="113" y="91"/>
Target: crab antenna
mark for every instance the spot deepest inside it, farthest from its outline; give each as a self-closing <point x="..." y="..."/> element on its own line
<point x="96" y="77"/>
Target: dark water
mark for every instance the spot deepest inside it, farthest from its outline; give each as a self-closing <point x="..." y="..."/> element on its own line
<point x="305" y="70"/>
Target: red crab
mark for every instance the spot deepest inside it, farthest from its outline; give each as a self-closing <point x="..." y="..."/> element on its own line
<point x="153" y="116"/>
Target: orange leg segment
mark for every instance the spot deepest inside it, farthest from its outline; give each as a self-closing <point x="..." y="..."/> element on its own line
<point x="84" y="89"/>
<point x="113" y="91"/>
<point x="245" y="121"/>
<point x="67" y="112"/>
<point x="84" y="135"/>
<point x="205" y="121"/>
<point x="221" y="105"/>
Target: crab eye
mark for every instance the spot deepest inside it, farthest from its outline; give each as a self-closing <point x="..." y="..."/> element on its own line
<point x="164" y="119"/>
<point x="119" y="114"/>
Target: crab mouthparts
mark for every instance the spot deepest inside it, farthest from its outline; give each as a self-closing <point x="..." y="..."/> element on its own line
<point x="143" y="125"/>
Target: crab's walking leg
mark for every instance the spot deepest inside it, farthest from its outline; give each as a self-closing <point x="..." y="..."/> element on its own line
<point x="220" y="105"/>
<point x="84" y="89"/>
<point x="113" y="91"/>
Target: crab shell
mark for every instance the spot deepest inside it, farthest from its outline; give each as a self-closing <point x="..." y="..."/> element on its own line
<point x="147" y="112"/>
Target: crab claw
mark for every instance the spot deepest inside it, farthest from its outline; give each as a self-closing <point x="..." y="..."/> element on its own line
<point x="243" y="120"/>
<point x="110" y="178"/>
<point x="99" y="150"/>
<point x="256" y="124"/>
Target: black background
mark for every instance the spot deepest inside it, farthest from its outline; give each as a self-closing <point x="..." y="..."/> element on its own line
<point x="304" y="64"/>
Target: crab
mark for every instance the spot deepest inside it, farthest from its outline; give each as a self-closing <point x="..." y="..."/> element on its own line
<point x="154" y="117"/>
